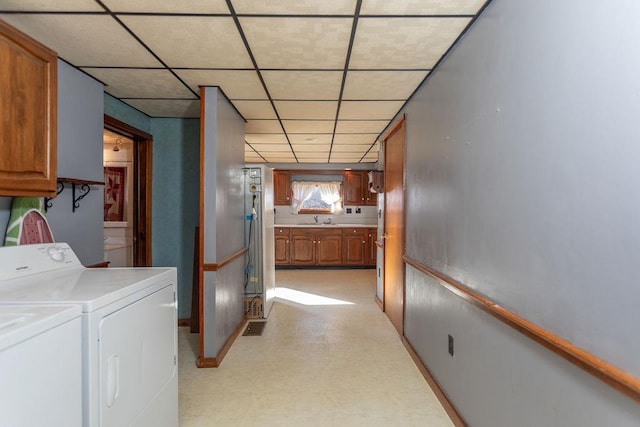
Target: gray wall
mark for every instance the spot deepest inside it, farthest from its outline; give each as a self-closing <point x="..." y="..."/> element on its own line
<point x="175" y="176"/>
<point x="522" y="168"/>
<point x="80" y="111"/>
<point x="223" y="220"/>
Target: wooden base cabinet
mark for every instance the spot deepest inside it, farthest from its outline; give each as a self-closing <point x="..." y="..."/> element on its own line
<point x="282" y="240"/>
<point x="313" y="246"/>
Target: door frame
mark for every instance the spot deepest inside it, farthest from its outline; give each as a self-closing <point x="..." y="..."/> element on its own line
<point x="142" y="180"/>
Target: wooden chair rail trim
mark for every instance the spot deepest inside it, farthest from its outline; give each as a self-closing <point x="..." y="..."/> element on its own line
<point x="606" y="372"/>
<point x="218" y="265"/>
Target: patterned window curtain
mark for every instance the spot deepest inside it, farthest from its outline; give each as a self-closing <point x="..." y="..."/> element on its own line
<point x="330" y="193"/>
<point x="301" y="192"/>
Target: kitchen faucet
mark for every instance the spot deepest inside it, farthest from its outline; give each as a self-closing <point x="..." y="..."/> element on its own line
<point x="316" y="218"/>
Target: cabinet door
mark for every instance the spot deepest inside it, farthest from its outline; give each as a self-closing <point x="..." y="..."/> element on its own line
<point x="353" y="190"/>
<point x="371" y="248"/>
<point x="302" y="248"/>
<point x="281" y="188"/>
<point x="28" y="105"/>
<point x="282" y="244"/>
<point x="329" y="248"/>
<point x="354" y="246"/>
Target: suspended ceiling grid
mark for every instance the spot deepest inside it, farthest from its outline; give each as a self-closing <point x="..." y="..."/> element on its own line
<point x="316" y="81"/>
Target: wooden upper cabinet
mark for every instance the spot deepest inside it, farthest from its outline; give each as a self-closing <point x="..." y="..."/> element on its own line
<point x="281" y="188"/>
<point x="356" y="189"/>
<point x="28" y="115"/>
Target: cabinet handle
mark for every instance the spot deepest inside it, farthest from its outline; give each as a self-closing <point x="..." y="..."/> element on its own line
<point x="287" y="241"/>
<point x="363" y="242"/>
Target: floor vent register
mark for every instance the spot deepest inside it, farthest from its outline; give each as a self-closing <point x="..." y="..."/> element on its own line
<point x="254" y="329"/>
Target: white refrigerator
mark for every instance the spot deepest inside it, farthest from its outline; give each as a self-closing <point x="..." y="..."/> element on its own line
<point x="260" y="279"/>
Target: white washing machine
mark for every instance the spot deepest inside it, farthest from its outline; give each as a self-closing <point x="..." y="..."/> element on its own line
<point x="40" y="365"/>
<point x="129" y="330"/>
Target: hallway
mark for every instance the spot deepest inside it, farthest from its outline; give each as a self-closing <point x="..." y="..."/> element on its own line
<point x="328" y="357"/>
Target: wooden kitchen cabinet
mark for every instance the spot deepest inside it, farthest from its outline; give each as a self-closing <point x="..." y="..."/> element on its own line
<point x="356" y="189"/>
<point x="316" y="246"/>
<point x="354" y="251"/>
<point x="371" y="248"/>
<point x="282" y="244"/>
<point x="281" y="188"/>
<point x="28" y="108"/>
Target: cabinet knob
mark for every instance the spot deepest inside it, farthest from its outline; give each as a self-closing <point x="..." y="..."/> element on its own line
<point x="287" y="241"/>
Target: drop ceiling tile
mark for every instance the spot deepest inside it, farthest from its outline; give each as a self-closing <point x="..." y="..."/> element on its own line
<point x="280" y="158"/>
<point x="308" y="126"/>
<point x="319" y="159"/>
<point x="166" y="107"/>
<point x="295" y="7"/>
<point x="236" y="84"/>
<point x="84" y="40"/>
<point x="310" y="139"/>
<point x="312" y="148"/>
<point x="350" y="148"/>
<point x="307" y="109"/>
<point x="382" y="84"/>
<point x="361" y="126"/>
<point x="372" y="110"/>
<point x="140" y="83"/>
<point x="403" y="43"/>
<point x="421" y="7"/>
<point x="277" y="42"/>
<point x="191" y="41"/>
<point x="317" y="85"/>
<point x="345" y="157"/>
<point x="354" y="138"/>
<point x="255" y="109"/>
<point x="57" y="6"/>
<point x="265" y="148"/>
<point x="173" y="6"/>
<point x="263" y="126"/>
<point x="265" y="138"/>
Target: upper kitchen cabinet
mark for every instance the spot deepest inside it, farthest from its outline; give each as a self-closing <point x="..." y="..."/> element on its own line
<point x="28" y="119"/>
<point x="281" y="188"/>
<point x="356" y="189"/>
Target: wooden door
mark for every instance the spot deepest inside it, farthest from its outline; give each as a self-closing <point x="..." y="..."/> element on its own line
<point x="329" y="247"/>
<point x="281" y="188"/>
<point x="354" y="246"/>
<point x="394" y="228"/>
<point x="302" y="247"/>
<point x="281" y="240"/>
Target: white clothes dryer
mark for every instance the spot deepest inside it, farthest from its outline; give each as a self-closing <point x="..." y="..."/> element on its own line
<point x="40" y="365"/>
<point x="129" y="330"/>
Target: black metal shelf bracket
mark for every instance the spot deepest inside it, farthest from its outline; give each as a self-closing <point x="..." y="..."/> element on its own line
<point x="84" y="190"/>
<point x="47" y="200"/>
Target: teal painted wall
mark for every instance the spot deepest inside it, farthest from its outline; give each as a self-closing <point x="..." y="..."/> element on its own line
<point x="175" y="190"/>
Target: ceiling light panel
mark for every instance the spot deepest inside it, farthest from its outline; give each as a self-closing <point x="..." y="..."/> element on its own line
<point x="361" y="126"/>
<point x="140" y="83"/>
<point x="265" y="138"/>
<point x="369" y="109"/>
<point x="255" y="109"/>
<point x="382" y="84"/>
<point x="295" y="7"/>
<point x="276" y="43"/>
<point x="191" y="41"/>
<point x="318" y="85"/>
<point x="310" y="139"/>
<point x="173" y="6"/>
<point x="236" y="84"/>
<point x="89" y="40"/>
<point x="49" y="6"/>
<point x="403" y="43"/>
<point x="308" y="126"/>
<point x="307" y="109"/>
<point x="421" y="7"/>
<point x="167" y="107"/>
<point x="263" y="126"/>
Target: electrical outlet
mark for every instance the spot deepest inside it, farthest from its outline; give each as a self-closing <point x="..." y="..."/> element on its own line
<point x="358" y="210"/>
<point x="451" y="345"/>
<point x="348" y="210"/>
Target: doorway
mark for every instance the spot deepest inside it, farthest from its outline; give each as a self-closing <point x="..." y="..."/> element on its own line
<point x="128" y="157"/>
<point x="394" y="225"/>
